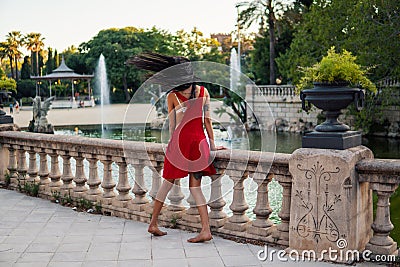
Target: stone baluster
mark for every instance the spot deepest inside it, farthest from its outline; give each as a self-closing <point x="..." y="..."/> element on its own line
<point x="21" y="168"/>
<point x="192" y="213"/>
<point x="175" y="209"/>
<point x="381" y="242"/>
<point x="108" y="183"/>
<point x="67" y="176"/>
<point x="239" y="220"/>
<point x="80" y="177"/>
<point x="12" y="166"/>
<point x="216" y="202"/>
<point x="139" y="189"/>
<point x="176" y="196"/>
<point x="43" y="174"/>
<point x="155" y="179"/>
<point x="261" y="225"/>
<point x="55" y="173"/>
<point x="281" y="235"/>
<point x="94" y="181"/>
<point x="32" y="170"/>
<point x="123" y="187"/>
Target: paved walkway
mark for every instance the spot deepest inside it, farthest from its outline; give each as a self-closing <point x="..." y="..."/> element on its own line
<point x="37" y="232"/>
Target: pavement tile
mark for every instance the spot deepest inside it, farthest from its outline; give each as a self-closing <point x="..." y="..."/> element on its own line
<point x="240" y="260"/>
<point x="42" y="247"/>
<point x="240" y="249"/>
<point x="201" y="252"/>
<point x="209" y="261"/>
<point x="69" y="256"/>
<point x="35" y="257"/>
<point x="7" y="256"/>
<point x="170" y="263"/>
<point x="64" y="264"/>
<point x="13" y="247"/>
<point x="168" y="253"/>
<point x="134" y="263"/>
<point x="103" y="263"/>
<point x="134" y="254"/>
<point x="30" y="264"/>
<point x="74" y="247"/>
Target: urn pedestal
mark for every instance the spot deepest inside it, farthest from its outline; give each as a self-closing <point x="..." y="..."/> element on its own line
<point x="331" y="134"/>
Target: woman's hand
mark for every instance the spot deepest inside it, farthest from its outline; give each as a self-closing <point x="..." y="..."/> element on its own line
<point x="214" y="148"/>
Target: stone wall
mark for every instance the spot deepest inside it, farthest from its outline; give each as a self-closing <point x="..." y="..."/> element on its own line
<point x="279" y="106"/>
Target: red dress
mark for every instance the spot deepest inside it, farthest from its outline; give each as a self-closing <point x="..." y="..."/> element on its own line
<point x="188" y="150"/>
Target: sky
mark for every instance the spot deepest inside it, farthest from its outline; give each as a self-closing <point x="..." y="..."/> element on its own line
<point x="70" y="22"/>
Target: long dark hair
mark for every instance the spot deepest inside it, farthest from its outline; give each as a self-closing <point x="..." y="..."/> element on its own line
<point x="180" y="77"/>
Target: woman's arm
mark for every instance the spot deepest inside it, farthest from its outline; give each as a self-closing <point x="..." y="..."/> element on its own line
<point x="171" y="114"/>
<point x="207" y="119"/>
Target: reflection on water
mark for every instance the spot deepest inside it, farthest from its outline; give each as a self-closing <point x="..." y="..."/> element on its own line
<point x="285" y="143"/>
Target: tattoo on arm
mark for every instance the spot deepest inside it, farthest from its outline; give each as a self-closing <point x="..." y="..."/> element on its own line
<point x="206" y="107"/>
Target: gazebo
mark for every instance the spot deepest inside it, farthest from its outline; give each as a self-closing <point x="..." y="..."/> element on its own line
<point x="63" y="72"/>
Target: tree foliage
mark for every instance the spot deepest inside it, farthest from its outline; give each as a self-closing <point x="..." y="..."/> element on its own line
<point x="8" y="84"/>
<point x="369" y="29"/>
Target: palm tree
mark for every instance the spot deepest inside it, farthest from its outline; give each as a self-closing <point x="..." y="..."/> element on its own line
<point x="3" y="51"/>
<point x="261" y="10"/>
<point x="12" y="44"/>
<point x="34" y="43"/>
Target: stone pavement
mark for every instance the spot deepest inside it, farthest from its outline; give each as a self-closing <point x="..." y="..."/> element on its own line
<point x="37" y="232"/>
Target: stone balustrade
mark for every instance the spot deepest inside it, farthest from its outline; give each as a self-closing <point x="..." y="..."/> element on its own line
<point x="52" y="158"/>
<point x="98" y="170"/>
<point x="276" y="92"/>
<point x="383" y="177"/>
<point x="279" y="107"/>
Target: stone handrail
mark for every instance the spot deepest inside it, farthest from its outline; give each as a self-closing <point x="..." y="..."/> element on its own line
<point x="274" y="91"/>
<point x="384" y="177"/>
<point x="389" y="82"/>
<point x="132" y="200"/>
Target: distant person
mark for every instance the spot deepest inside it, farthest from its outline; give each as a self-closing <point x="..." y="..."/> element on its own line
<point x="279" y="80"/>
<point x="11" y="108"/>
<point x="16" y="106"/>
<point x="152" y="101"/>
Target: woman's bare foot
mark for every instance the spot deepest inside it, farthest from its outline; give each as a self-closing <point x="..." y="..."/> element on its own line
<point x="154" y="230"/>
<point x="201" y="237"/>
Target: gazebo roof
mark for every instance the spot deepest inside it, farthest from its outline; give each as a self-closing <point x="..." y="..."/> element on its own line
<point x="63" y="72"/>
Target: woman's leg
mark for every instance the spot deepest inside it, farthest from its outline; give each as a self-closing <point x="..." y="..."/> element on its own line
<point x="195" y="189"/>
<point x="158" y="203"/>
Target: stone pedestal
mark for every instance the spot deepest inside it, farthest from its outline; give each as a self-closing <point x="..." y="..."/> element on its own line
<point x="330" y="209"/>
<point x="332" y="140"/>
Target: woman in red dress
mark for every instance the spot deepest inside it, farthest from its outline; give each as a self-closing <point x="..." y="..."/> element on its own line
<point x="188" y="152"/>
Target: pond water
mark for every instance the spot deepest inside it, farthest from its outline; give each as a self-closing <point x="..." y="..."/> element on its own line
<point x="285" y="143"/>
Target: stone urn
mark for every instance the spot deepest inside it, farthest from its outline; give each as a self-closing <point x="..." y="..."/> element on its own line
<point x="331" y="98"/>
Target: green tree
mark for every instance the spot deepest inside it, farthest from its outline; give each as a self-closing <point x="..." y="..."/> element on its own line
<point x="261" y="11"/>
<point x="11" y="48"/>
<point x="369" y="29"/>
<point x="117" y="45"/>
<point x="8" y="84"/>
<point x="50" y="61"/>
<point x="26" y="68"/>
<point x="26" y="88"/>
<point x="34" y="43"/>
